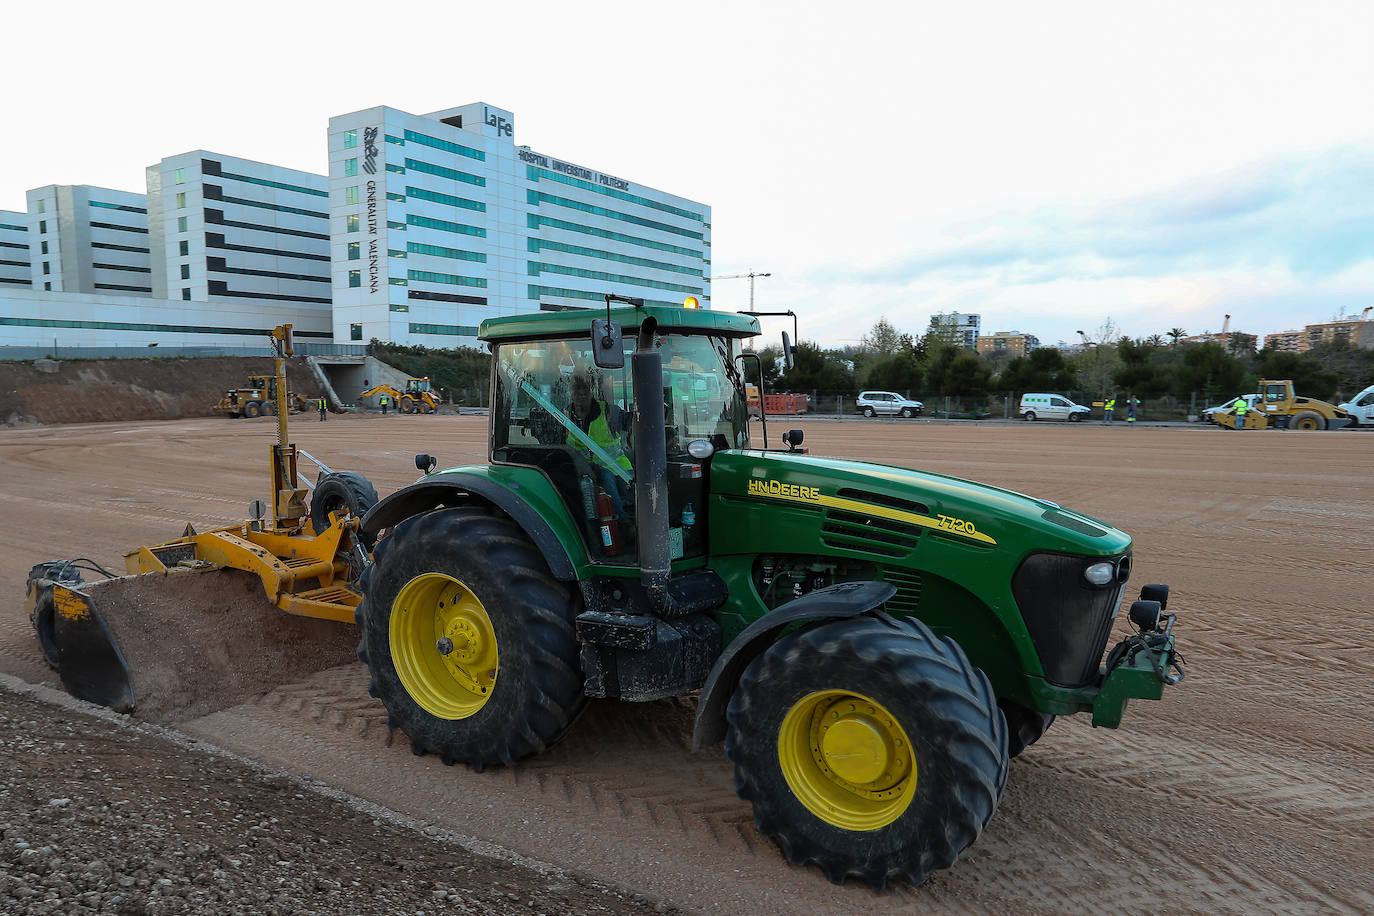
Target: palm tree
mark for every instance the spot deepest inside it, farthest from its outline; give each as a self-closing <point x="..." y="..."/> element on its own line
<point x="1177" y="334"/>
<point x="1155" y="340"/>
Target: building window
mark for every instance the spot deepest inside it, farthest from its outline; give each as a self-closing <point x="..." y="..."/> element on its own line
<point x="350" y="138"/>
<point x="47" y="287"/>
<point x="181" y="176"/>
<point x="185" y="293"/>
<point x="352" y="220"/>
<point x="355" y="250"/>
<point x="181" y="223"/>
<point x="45" y="268"/>
<point x="45" y="247"/>
<point x="181" y="200"/>
<point x="350" y="166"/>
<point x="355" y="332"/>
<point x="184" y="248"/>
<point x="186" y="271"/>
<point x="355" y="279"/>
<point x="42" y="225"/>
<point x="351" y="195"/>
<point x="42" y="205"/>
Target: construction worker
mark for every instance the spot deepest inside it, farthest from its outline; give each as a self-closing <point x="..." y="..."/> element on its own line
<point x="1108" y="407"/>
<point x="604" y="424"/>
<point x="382" y="401"/>
<point x="1132" y="404"/>
<point x="324" y="409"/>
<point x="1241" y="407"/>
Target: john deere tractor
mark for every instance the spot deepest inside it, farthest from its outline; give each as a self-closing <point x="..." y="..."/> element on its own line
<point x="871" y="643"/>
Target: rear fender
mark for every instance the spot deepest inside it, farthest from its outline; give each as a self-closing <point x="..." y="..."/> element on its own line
<point x="456" y="488"/>
<point x="837" y="602"/>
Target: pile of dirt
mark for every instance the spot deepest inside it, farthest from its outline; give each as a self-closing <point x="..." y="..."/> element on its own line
<point x="196" y="642"/>
<point x="99" y="814"/>
<point x="94" y="390"/>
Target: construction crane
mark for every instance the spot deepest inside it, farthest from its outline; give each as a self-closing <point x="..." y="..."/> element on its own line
<point x="751" y="275"/>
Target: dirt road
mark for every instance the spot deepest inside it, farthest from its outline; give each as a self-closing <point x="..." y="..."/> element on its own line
<point x="1248" y="789"/>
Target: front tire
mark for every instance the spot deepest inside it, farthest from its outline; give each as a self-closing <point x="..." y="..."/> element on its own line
<point x="1030" y="416"/>
<point x="252" y="409"/>
<point x="906" y="413"/>
<point x="821" y="733"/>
<point x="469" y="639"/>
<point x="1307" y="420"/>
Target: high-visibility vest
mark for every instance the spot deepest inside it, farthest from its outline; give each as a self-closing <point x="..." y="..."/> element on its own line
<point x="599" y="430"/>
<point x="1111" y="405"/>
<point x="1241" y="407"/>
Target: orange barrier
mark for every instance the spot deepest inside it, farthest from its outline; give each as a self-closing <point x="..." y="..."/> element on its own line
<point x="785" y="403"/>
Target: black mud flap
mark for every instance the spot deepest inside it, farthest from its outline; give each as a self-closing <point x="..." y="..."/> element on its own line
<point x="88" y="659"/>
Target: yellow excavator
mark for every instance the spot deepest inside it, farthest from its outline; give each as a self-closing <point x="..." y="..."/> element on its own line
<point x="194" y="607"/>
<point x="418" y="396"/>
<point x="258" y="398"/>
<point x="1279" y="407"/>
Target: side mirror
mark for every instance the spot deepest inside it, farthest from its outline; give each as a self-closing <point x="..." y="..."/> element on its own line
<point x="787" y="351"/>
<point x="607" y="350"/>
<point x="792" y="438"/>
<point x="425" y="463"/>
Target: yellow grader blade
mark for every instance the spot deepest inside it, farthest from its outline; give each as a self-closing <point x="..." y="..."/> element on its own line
<point x="175" y="646"/>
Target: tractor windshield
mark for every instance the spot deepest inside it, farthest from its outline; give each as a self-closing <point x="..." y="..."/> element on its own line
<point x="555" y="410"/>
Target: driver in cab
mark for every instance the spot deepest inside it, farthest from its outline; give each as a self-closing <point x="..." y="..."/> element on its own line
<point x="604" y="424"/>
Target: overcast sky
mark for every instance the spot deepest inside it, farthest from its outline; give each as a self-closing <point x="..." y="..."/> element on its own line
<point x="1047" y="165"/>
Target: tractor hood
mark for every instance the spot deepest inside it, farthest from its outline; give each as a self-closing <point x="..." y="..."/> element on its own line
<point x="964" y="512"/>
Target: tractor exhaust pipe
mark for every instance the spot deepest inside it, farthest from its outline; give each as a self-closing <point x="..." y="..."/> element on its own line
<point x="651" y="466"/>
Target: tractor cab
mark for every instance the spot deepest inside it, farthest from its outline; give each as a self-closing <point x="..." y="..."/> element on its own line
<point x="417" y="386"/>
<point x="556" y="410"/>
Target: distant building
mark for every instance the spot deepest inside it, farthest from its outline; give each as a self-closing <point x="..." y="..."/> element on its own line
<point x="1357" y="331"/>
<point x="1286" y="341"/>
<point x="224" y="227"/>
<point x="1012" y="343"/>
<point x="440" y="221"/>
<point x="957" y="327"/>
<point x="15" y="268"/>
<point x="84" y="239"/>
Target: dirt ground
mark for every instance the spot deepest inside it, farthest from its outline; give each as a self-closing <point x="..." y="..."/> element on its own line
<point x="1247" y="789"/>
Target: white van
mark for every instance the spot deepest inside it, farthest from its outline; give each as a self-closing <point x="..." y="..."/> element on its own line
<point x="1361" y="408"/>
<point x="1052" y="407"/>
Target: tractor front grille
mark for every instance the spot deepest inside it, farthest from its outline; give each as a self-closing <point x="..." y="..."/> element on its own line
<point x="1069" y="620"/>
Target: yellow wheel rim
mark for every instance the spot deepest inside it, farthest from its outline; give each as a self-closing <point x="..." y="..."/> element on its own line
<point x="443" y="646"/>
<point x="847" y="759"/>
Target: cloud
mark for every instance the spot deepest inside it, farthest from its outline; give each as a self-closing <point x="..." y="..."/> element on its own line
<point x="1277" y="243"/>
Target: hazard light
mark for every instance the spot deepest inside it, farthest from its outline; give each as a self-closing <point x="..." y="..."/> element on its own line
<point x="691" y="302"/>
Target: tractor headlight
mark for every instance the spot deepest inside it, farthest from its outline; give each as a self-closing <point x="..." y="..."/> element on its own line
<point x="1100" y="574"/>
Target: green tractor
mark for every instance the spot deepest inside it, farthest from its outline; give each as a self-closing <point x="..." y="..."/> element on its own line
<point x="871" y="643"/>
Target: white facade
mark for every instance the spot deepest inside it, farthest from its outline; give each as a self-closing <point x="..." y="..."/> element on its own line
<point x="84" y="239"/>
<point x="961" y="327"/>
<point x="14" y="250"/>
<point x="30" y="318"/>
<point x="228" y="228"/>
<point x="439" y="221"/>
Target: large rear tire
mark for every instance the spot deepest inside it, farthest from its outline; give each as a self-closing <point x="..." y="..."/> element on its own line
<point x="342" y="490"/>
<point x="1307" y="420"/>
<point x="469" y="639"/>
<point x="870" y="747"/>
<point x="1024" y="726"/>
<point x="252" y="409"/>
<point x="407" y="405"/>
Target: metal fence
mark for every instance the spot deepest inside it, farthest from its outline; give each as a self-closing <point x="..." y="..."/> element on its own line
<point x="1005" y="404"/>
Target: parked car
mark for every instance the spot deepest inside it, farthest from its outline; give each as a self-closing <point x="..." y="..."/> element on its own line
<point x="1361" y="408"/>
<point x="1209" y="415"/>
<point x="1052" y="407"/>
<point x="887" y="403"/>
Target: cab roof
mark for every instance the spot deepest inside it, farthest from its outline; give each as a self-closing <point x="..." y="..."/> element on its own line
<point x="574" y="322"/>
